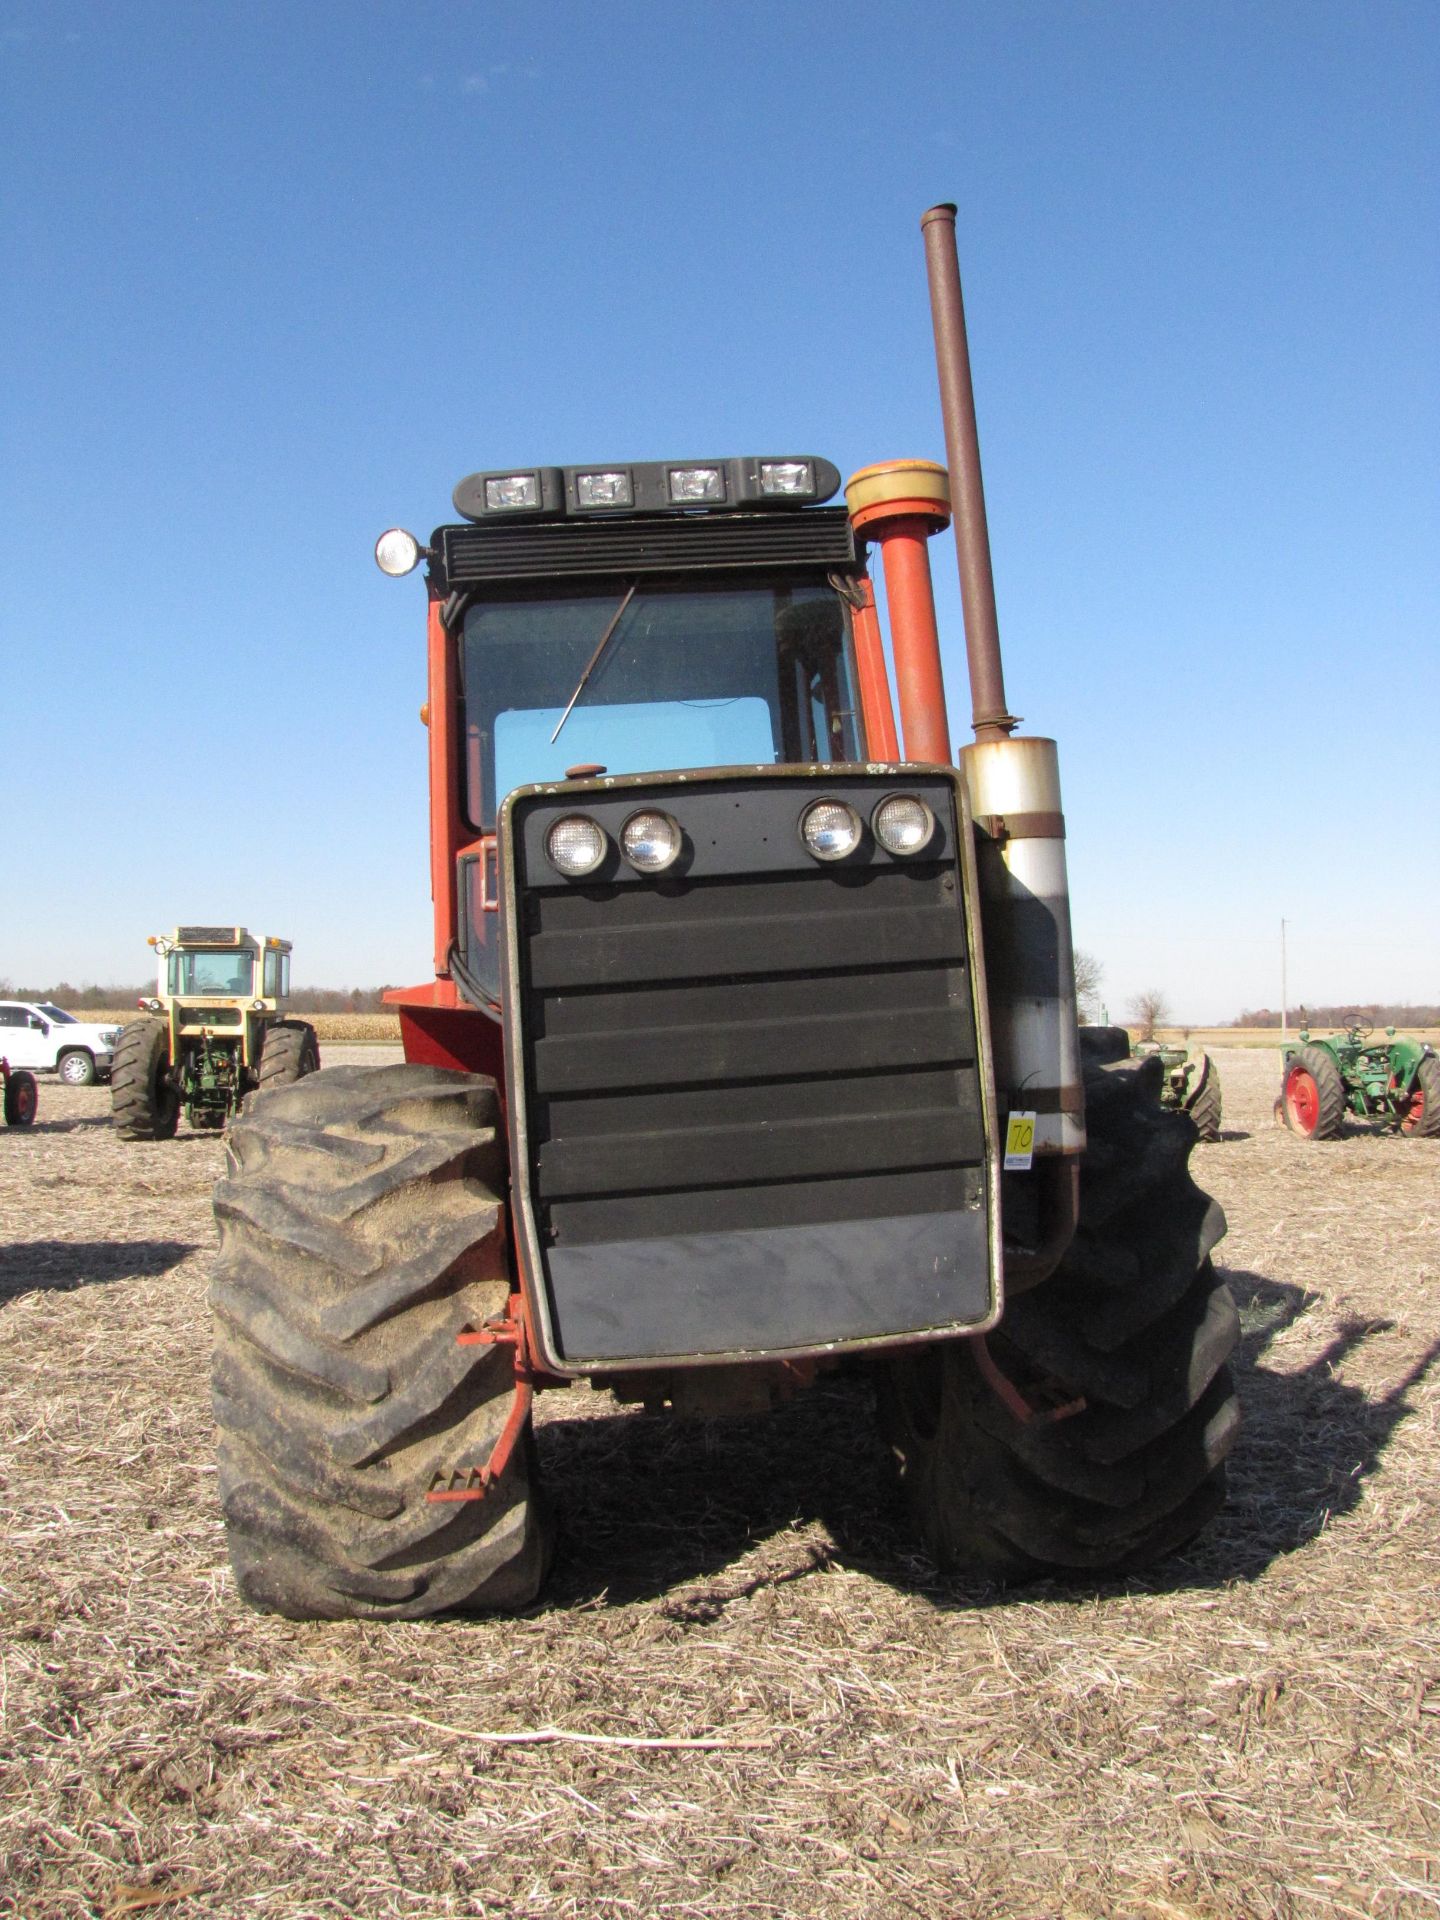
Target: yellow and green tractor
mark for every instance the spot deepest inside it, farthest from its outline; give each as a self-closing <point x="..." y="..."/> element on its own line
<point x="214" y="1031"/>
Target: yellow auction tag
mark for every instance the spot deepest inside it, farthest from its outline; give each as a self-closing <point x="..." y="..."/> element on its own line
<point x="1019" y="1142"/>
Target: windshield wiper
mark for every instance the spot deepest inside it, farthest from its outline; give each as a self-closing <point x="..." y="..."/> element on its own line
<point x="594" y="659"/>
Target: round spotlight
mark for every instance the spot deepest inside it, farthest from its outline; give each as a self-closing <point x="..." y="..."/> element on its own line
<point x="830" y="829"/>
<point x="903" y="824"/>
<point x="575" y="846"/>
<point x="397" y="552"/>
<point x="650" y="841"/>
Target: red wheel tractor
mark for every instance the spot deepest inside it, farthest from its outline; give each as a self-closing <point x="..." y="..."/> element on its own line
<point x="1394" y="1083"/>
<point x="22" y="1095"/>
<point x="750" y="1054"/>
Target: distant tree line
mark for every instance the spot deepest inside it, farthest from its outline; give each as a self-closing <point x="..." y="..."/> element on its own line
<point x="302" y="999"/>
<point x="1369" y="1015"/>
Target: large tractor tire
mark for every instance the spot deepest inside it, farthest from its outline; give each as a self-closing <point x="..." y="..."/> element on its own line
<point x="22" y="1097"/>
<point x="143" y="1104"/>
<point x="1312" y="1100"/>
<point x="1204" y="1105"/>
<point x="289" y="1052"/>
<point x="1129" y="1341"/>
<point x="1422" y="1116"/>
<point x="362" y="1229"/>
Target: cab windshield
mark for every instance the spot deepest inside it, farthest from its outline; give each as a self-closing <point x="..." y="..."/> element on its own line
<point x="692" y="675"/>
<point x="220" y="970"/>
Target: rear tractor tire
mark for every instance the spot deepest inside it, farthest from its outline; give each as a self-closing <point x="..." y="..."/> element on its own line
<point x="290" y="1051"/>
<point x="1422" y="1116"/>
<point x="143" y="1104"/>
<point x="1204" y="1104"/>
<point x="1312" y="1100"/>
<point x="1131" y="1337"/>
<point x="361" y="1229"/>
<point x="22" y="1098"/>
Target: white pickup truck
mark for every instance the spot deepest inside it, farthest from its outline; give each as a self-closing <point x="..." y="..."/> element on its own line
<point x="33" y="1033"/>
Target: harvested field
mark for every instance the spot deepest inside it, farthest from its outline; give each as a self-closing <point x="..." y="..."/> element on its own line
<point x="745" y="1693"/>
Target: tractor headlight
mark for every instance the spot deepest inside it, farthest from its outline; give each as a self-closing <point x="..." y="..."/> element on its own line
<point x="698" y="484"/>
<point x="397" y="552"/>
<point x="786" y="479"/>
<point x="650" y="841"/>
<point x="903" y="824"/>
<point x="575" y="846"/>
<point x="830" y="829"/>
<point x="604" y="489"/>
<point x="512" y="492"/>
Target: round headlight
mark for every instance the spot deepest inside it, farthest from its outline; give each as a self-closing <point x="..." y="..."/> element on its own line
<point x="830" y="829"/>
<point x="650" y="841"/>
<point x="903" y="824"/>
<point x="575" y="846"/>
<point x="397" y="552"/>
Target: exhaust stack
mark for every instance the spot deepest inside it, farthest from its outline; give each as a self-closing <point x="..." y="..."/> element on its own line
<point x="1014" y="784"/>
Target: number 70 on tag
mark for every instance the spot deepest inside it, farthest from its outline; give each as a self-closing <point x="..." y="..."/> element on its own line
<point x="1019" y="1142"/>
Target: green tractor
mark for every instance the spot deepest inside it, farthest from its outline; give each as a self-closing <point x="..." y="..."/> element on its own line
<point x="1191" y="1084"/>
<point x="1394" y="1082"/>
<point x="213" y="1032"/>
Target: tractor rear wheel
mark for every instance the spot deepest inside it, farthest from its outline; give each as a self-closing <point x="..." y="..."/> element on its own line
<point x="1128" y="1341"/>
<point x="289" y="1052"/>
<point x="1204" y="1105"/>
<point x="22" y="1097"/>
<point x="143" y="1104"/>
<point x="1312" y="1100"/>
<point x="1422" y="1116"/>
<point x="361" y="1229"/>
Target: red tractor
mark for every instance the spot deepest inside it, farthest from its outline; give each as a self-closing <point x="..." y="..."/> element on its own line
<point x="750" y="1054"/>
<point x="22" y="1094"/>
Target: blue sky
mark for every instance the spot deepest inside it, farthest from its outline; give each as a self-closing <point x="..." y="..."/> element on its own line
<point x="276" y="277"/>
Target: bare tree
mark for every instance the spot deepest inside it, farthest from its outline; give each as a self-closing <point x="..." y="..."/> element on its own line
<point x="1151" y="1009"/>
<point x="1088" y="975"/>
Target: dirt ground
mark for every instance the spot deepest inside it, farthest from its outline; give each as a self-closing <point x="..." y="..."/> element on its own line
<point x="818" y="1725"/>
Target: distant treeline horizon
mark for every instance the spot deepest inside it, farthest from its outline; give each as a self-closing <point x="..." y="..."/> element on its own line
<point x="1371" y="1014"/>
<point x="302" y="999"/>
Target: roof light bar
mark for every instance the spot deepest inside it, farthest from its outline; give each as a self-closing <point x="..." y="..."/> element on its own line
<point x="652" y="486"/>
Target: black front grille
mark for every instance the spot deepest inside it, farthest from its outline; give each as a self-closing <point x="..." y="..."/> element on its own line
<point x="211" y="1017"/>
<point x="749" y="1098"/>
<point x="664" y="543"/>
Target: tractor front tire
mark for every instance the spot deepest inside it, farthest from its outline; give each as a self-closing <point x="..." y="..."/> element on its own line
<point x="362" y="1229"/>
<point x="1422" y="1116"/>
<point x="22" y="1098"/>
<point x="143" y="1104"/>
<point x="1312" y="1100"/>
<point x="290" y="1051"/>
<point x="1129" y="1341"/>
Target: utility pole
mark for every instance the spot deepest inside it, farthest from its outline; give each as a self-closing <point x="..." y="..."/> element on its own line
<point x="1284" y="992"/>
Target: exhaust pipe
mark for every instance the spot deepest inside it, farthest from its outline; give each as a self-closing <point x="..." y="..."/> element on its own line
<point x="1014" y="787"/>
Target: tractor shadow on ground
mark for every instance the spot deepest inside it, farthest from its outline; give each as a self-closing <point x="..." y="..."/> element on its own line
<point x="1310" y="1442"/>
<point x="650" y="1506"/>
<point x="63" y="1266"/>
